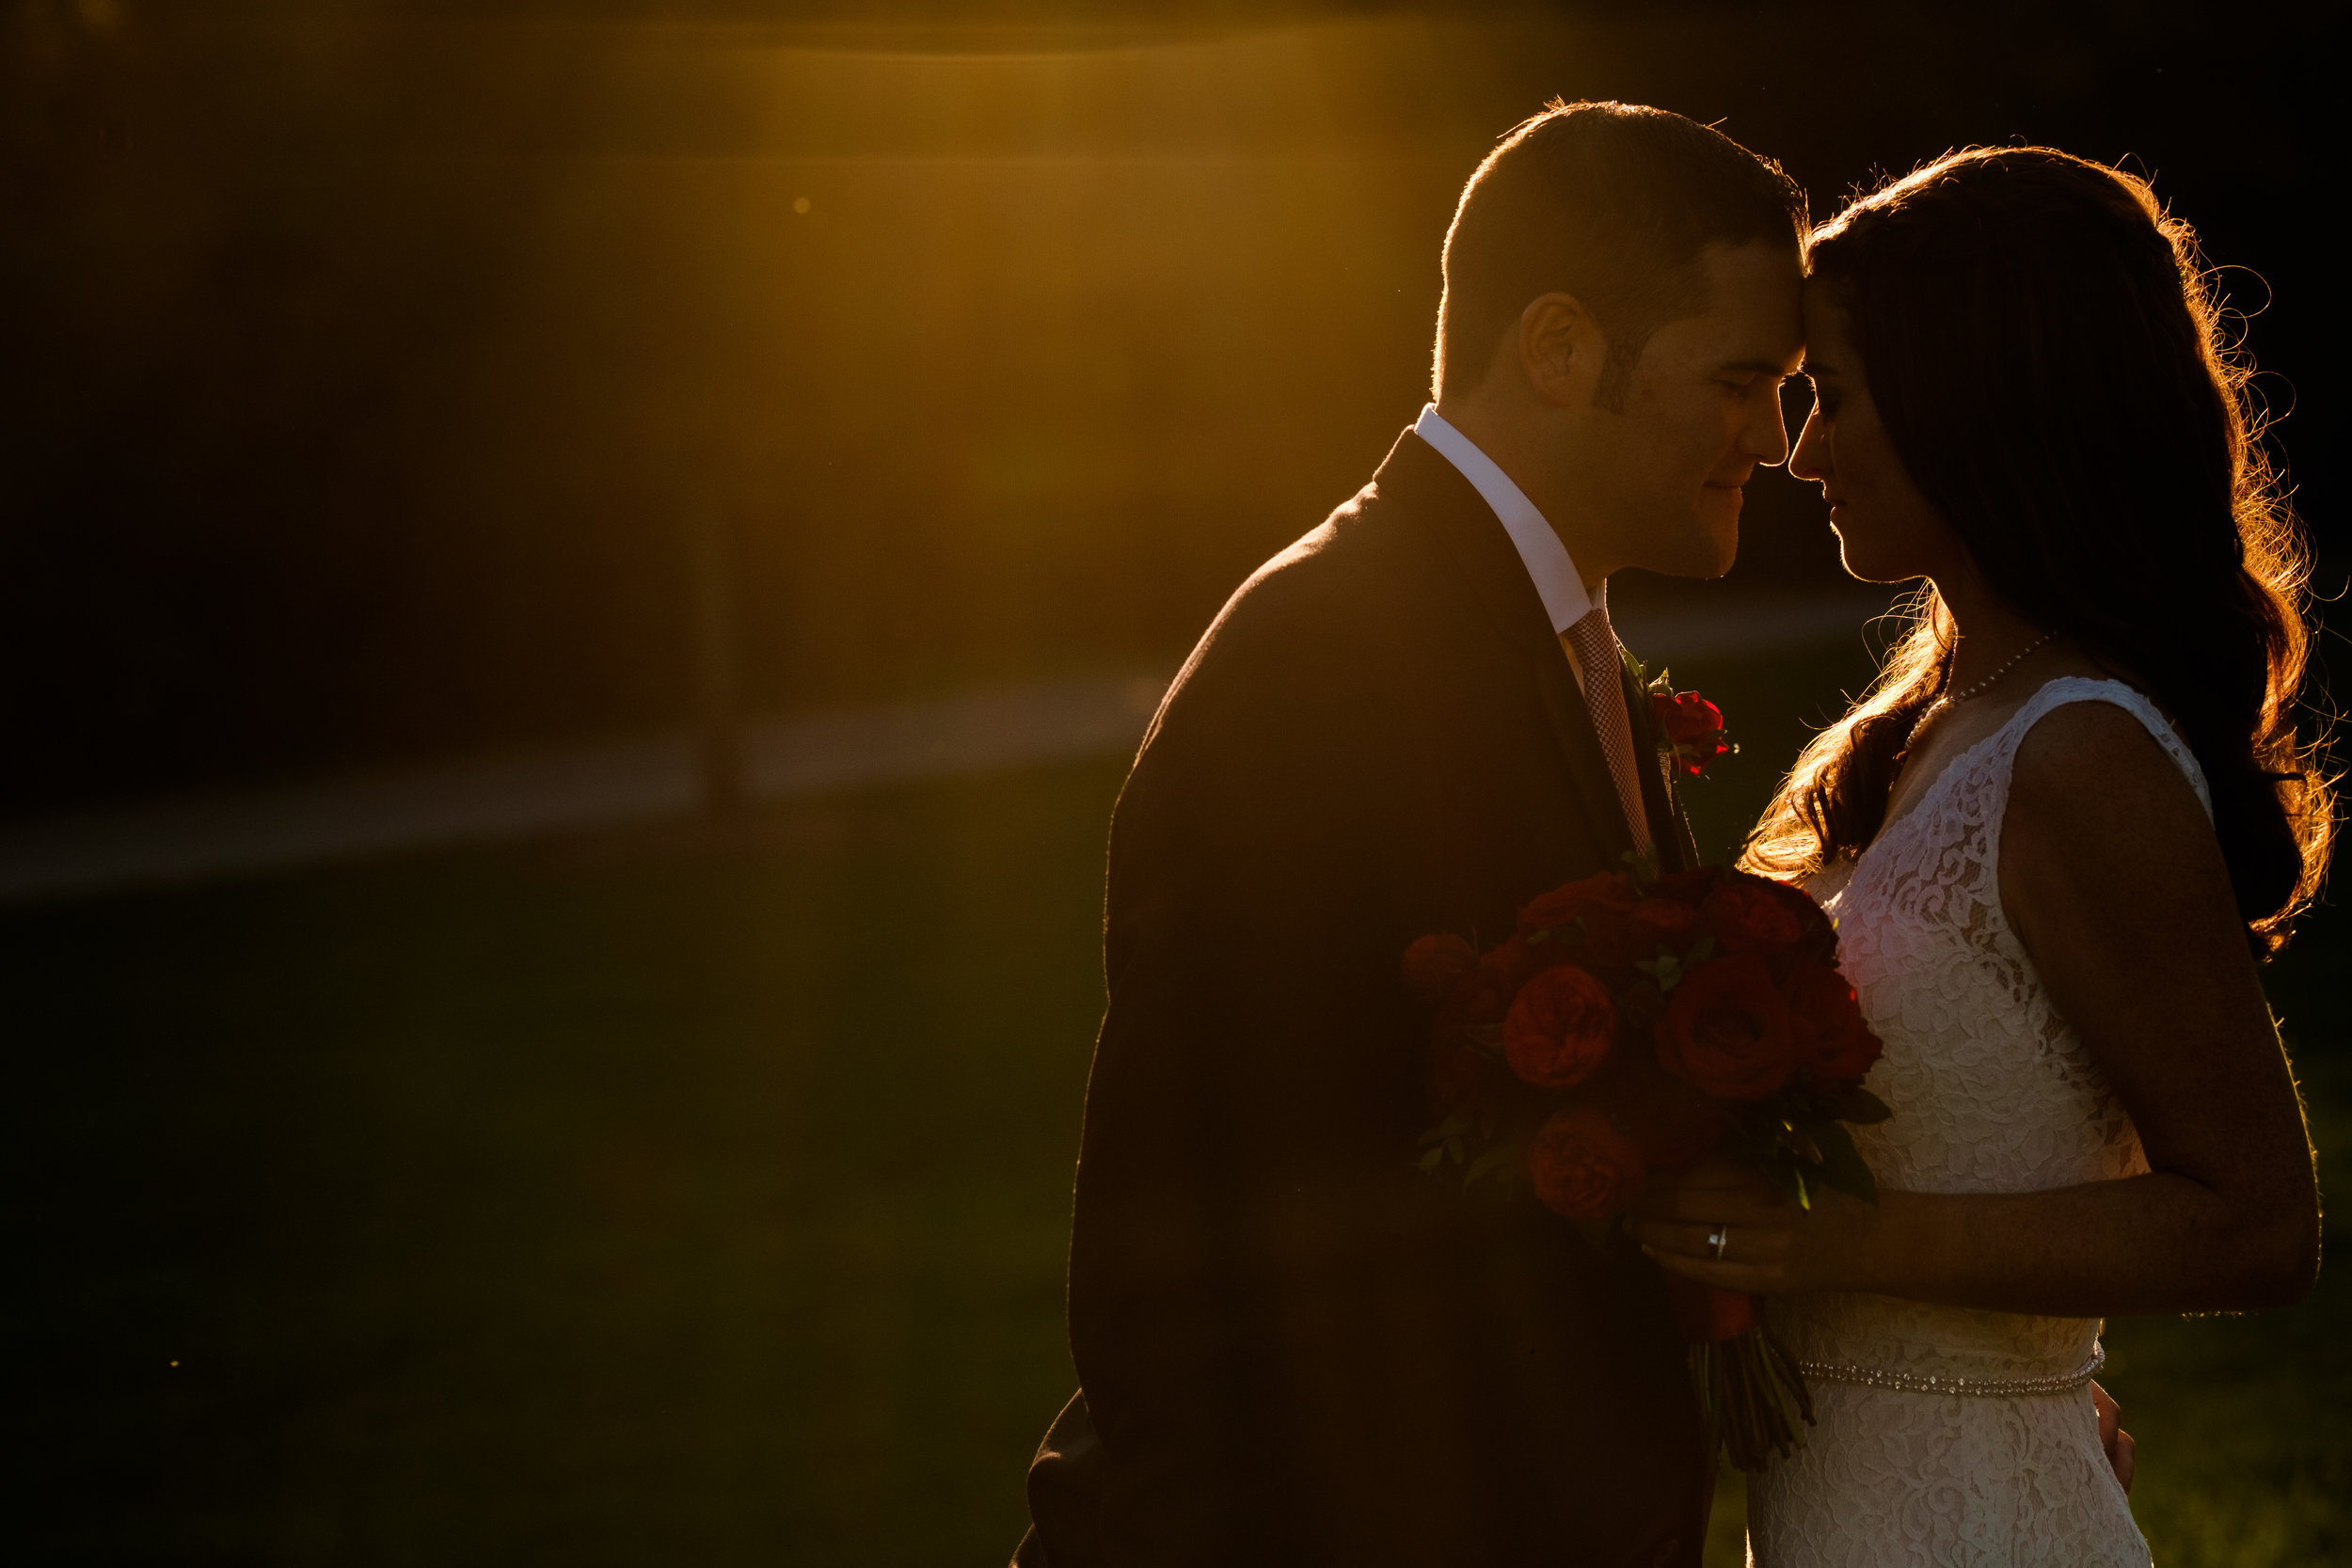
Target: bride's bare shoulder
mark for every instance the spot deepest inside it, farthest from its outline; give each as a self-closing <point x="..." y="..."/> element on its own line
<point x="2092" y="773"/>
<point x="2105" y="850"/>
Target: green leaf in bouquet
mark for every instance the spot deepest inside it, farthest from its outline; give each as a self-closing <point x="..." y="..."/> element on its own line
<point x="1700" y="952"/>
<point x="1790" y="1175"/>
<point x="1842" y="1166"/>
<point x="1443" y="1141"/>
<point x="1496" y="1158"/>
<point x="1665" y="969"/>
<point x="1800" y="1143"/>
<point x="1861" y="1107"/>
<point x="1805" y="1105"/>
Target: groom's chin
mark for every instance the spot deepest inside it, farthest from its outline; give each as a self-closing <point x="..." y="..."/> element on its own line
<point x="1691" y="541"/>
<point x="1715" y="543"/>
<point x="1703" y="557"/>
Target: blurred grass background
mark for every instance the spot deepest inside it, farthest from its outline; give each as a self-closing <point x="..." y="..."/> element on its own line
<point x="370" y="370"/>
<point x="701" y="1196"/>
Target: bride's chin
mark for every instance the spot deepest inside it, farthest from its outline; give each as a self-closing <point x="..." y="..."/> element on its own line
<point x="1862" y="568"/>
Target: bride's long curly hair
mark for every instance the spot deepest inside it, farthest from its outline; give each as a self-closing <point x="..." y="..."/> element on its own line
<point x="2048" y="353"/>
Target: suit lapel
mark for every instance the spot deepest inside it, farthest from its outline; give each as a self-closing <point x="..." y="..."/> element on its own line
<point x="1669" y="825"/>
<point x="1450" y="508"/>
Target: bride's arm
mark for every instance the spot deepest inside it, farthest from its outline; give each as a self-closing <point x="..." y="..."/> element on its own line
<point x="2113" y="881"/>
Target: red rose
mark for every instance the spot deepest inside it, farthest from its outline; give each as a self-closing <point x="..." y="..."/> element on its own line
<point x="1434" y="962"/>
<point x="1584" y="1169"/>
<point x="1748" y="914"/>
<point x="1485" y="994"/>
<point x="1727" y="1030"/>
<point x="1669" y="920"/>
<point x="1591" y="919"/>
<point x="1690" y="886"/>
<point x="1832" y="1039"/>
<point x="1559" y="1028"/>
<point x="1693" y="728"/>
<point x="1604" y="893"/>
<point x="1669" y="1120"/>
<point x="1685" y="716"/>
<point x="1820" y="940"/>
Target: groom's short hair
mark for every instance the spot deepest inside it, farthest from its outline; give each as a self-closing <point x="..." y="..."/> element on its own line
<point x="1612" y="203"/>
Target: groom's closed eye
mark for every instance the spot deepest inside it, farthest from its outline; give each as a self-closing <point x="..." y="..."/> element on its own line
<point x="1745" y="373"/>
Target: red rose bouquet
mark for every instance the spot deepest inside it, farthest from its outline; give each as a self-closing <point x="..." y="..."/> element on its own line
<point x="1629" y="1026"/>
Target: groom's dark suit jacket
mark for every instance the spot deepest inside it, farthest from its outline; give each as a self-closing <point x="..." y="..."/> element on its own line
<point x="1294" y="1348"/>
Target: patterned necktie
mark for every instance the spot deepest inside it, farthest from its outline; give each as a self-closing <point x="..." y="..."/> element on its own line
<point x="1593" y="641"/>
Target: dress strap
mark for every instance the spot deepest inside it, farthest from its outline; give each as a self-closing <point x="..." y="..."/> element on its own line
<point x="2080" y="689"/>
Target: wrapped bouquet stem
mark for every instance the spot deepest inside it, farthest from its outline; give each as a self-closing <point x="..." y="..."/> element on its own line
<point x="1752" y="1398"/>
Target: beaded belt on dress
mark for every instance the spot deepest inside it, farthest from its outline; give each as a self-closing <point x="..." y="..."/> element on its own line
<point x="1986" y="1387"/>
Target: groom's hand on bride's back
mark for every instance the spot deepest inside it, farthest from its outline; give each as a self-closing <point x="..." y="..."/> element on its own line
<point x="2121" y="1452"/>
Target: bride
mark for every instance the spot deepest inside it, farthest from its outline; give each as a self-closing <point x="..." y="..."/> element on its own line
<point x="2056" y="836"/>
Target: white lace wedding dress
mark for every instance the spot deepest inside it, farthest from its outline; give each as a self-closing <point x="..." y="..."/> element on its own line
<point x="1947" y="1436"/>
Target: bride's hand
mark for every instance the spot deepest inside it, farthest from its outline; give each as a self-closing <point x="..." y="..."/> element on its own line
<point x="1770" y="1244"/>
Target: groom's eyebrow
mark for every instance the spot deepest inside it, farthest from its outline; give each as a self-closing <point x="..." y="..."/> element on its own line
<point x="1759" y="367"/>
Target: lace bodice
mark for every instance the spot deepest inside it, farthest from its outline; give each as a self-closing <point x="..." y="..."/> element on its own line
<point x="1992" y="1092"/>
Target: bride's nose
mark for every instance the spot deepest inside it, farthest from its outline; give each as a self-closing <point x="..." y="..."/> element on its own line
<point x="1811" y="460"/>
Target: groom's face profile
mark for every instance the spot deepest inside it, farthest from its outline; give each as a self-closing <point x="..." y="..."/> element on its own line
<point x="1641" y="465"/>
<point x="1701" y="410"/>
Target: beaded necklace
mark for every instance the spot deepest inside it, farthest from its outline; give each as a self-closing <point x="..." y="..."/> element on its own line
<point x="1975" y="689"/>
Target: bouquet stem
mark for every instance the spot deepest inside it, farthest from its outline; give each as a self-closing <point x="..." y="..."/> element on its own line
<point x="1751" y="1394"/>
<point x="1751" y="1397"/>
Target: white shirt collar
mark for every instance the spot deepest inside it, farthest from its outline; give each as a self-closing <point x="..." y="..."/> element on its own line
<point x="1557" y="582"/>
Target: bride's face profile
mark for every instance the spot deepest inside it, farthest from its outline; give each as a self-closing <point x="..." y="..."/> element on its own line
<point x="1887" y="531"/>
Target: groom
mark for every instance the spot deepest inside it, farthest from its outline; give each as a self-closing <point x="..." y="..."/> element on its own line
<point x="1294" y="1348"/>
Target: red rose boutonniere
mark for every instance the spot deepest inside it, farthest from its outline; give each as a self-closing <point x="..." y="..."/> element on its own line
<point x="1694" y="730"/>
<point x="1690" y="728"/>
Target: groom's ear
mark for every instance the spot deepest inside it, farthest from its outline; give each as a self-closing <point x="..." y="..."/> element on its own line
<point x="1560" y="350"/>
